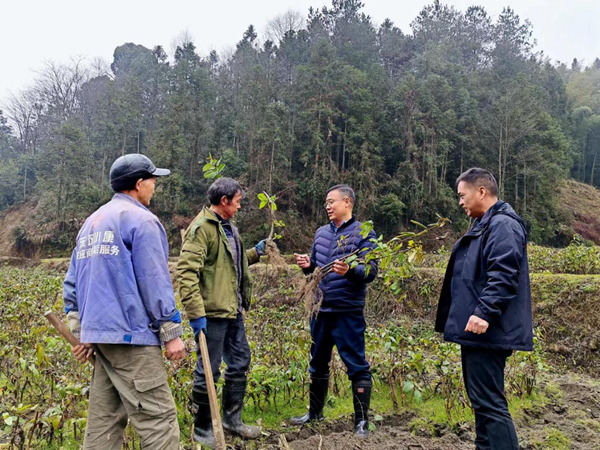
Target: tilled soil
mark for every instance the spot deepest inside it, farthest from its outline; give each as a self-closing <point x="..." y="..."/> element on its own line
<point x="569" y="419"/>
<point x="392" y="434"/>
<point x="574" y="411"/>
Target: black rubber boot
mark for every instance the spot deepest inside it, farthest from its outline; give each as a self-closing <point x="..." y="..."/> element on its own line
<point x="317" y="397"/>
<point x="361" y="397"/>
<point x="203" y="432"/>
<point x="234" y="391"/>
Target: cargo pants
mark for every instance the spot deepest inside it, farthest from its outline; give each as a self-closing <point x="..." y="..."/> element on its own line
<point x="130" y="382"/>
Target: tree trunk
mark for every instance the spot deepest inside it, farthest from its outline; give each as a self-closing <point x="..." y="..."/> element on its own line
<point x="25" y="183"/>
<point x="516" y="188"/>
<point x="423" y="161"/>
<point x="432" y="165"/>
<point x="524" y="188"/>
<point x="60" y="187"/>
<point x="583" y="159"/>
<point x="291" y="146"/>
<point x="272" y="166"/>
<point x="344" y="144"/>
<point x="593" y="169"/>
<point x="500" y="163"/>
<point x="103" y="177"/>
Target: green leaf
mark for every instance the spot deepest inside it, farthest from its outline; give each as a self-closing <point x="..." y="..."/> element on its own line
<point x="213" y="168"/>
<point x="418" y="397"/>
<point x="366" y="228"/>
<point x="414" y="222"/>
<point x="39" y="354"/>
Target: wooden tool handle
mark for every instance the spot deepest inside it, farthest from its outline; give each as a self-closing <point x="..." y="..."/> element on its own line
<point x="62" y="329"/>
<point x="215" y="414"/>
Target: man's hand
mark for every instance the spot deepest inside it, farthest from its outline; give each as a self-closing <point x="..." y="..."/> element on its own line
<point x="82" y="352"/>
<point x="340" y="267"/>
<point x="477" y="325"/>
<point x="174" y="349"/>
<point x="198" y="325"/>
<point x="302" y="260"/>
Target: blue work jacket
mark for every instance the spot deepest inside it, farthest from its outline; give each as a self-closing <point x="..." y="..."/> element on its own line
<point x="119" y="278"/>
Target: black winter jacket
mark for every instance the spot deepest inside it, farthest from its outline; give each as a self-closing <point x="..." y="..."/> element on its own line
<point x="348" y="292"/>
<point x="488" y="276"/>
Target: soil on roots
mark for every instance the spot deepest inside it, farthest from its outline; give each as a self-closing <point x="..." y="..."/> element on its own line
<point x="273" y="255"/>
<point x="310" y="294"/>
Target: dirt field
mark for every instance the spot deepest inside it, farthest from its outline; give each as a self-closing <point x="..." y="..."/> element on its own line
<point x="570" y="419"/>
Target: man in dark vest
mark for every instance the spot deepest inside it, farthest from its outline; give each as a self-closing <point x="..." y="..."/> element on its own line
<point x="485" y="304"/>
<point x="340" y="320"/>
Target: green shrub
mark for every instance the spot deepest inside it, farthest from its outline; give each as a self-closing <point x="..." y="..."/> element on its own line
<point x="579" y="257"/>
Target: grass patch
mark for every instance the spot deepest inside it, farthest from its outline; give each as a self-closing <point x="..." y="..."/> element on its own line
<point x="432" y="414"/>
<point x="554" y="440"/>
<point x="336" y="407"/>
<point x="537" y="402"/>
<point x="592" y="424"/>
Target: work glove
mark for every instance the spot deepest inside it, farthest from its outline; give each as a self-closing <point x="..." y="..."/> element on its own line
<point x="260" y="247"/>
<point x="169" y="330"/>
<point x="74" y="324"/>
<point x="198" y="325"/>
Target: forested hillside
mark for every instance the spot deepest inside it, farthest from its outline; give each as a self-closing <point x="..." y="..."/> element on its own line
<point x="321" y="99"/>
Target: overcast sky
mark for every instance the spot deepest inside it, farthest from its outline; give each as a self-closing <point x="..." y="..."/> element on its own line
<point x="34" y="31"/>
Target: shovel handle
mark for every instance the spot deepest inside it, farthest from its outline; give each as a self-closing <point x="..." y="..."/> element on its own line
<point x="62" y="329"/>
<point x="215" y="413"/>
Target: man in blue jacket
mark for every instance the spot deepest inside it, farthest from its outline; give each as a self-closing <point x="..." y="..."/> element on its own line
<point x="340" y="319"/>
<point x="119" y="301"/>
<point x="485" y="303"/>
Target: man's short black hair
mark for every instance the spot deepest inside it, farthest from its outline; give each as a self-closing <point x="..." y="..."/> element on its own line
<point x="476" y="176"/>
<point x="345" y="190"/>
<point x="227" y="187"/>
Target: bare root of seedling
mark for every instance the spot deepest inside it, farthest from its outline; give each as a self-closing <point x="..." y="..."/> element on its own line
<point x="310" y="293"/>
<point x="274" y="257"/>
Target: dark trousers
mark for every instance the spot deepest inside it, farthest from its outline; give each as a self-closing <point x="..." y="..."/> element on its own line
<point x="226" y="341"/>
<point x="345" y="330"/>
<point x="483" y="372"/>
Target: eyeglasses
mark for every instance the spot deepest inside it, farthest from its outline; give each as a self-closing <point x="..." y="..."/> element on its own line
<point x="331" y="202"/>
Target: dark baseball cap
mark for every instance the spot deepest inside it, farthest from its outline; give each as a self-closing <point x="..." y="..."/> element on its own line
<point x="135" y="165"/>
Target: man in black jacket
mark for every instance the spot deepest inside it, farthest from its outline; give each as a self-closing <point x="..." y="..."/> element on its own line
<point x="340" y="320"/>
<point x="485" y="304"/>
